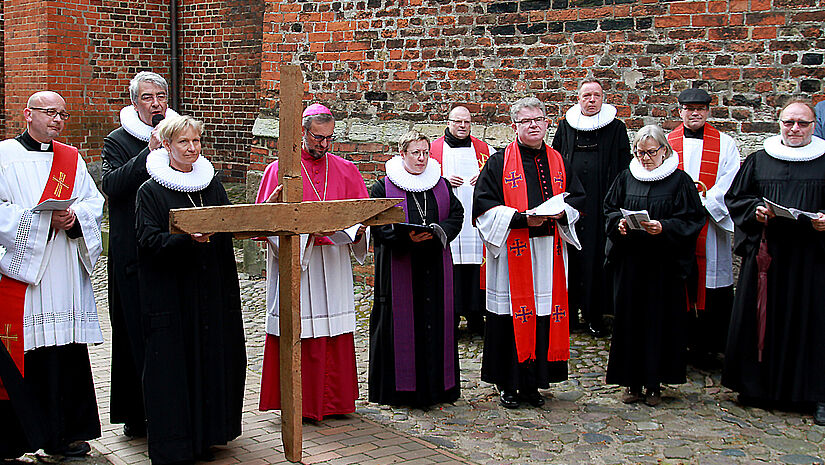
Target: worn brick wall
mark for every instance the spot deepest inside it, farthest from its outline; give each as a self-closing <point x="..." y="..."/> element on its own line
<point x="384" y="66"/>
<point x="2" y="75"/>
<point x="221" y="68"/>
<point x="86" y="51"/>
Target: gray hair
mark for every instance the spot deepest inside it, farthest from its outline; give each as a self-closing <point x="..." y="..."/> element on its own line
<point x="653" y="131"/>
<point x="409" y="137"/>
<point x="319" y="118"/>
<point x="526" y="102"/>
<point x="590" y="81"/>
<point x="171" y="126"/>
<point x="145" y="76"/>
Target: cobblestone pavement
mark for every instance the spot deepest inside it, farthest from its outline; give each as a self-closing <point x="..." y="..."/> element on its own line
<point x="583" y="421"/>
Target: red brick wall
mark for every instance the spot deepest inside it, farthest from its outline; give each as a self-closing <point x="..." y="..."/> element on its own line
<point x="86" y="51"/>
<point x="2" y="74"/>
<point x="221" y="67"/>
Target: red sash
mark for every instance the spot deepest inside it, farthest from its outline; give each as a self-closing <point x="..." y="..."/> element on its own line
<point x="708" y="167"/>
<point x="520" y="264"/>
<point x="59" y="186"/>
<point x="482" y="151"/>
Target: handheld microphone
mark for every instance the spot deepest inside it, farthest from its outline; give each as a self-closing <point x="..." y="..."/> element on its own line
<point x="156" y="119"/>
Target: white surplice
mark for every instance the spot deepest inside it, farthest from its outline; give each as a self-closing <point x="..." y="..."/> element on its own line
<point x="494" y="226"/>
<point x="467" y="248"/>
<point x="327" y="303"/>
<point x="720" y="227"/>
<point x="59" y="306"/>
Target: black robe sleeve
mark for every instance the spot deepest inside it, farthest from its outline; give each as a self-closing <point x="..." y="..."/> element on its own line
<point x="687" y="217"/>
<point x="123" y="173"/>
<point x="742" y="199"/>
<point x="152" y="223"/>
<point x="387" y="233"/>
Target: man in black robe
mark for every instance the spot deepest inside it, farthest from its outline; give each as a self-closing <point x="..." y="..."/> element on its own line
<point x="539" y="328"/>
<point x="124" y="170"/>
<point x="775" y="354"/>
<point x="595" y="147"/>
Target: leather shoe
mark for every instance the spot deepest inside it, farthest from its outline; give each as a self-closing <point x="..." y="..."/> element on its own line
<point x="533" y="398"/>
<point x="74" y="449"/>
<point x="632" y="395"/>
<point x="508" y="399"/>
<point x="653" y="397"/>
<point x="133" y="430"/>
<point x="819" y="414"/>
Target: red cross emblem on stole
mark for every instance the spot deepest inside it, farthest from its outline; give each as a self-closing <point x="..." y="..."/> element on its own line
<point x="512" y="179"/>
<point x="558" y="313"/>
<point x="518" y="247"/>
<point x="559" y="179"/>
<point x="523" y="313"/>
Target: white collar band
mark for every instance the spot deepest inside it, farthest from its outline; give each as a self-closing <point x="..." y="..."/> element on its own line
<point x="157" y="164"/>
<point x="775" y="148"/>
<point x="131" y="122"/>
<point x="413" y="182"/>
<point x="580" y="122"/>
<point x="662" y="171"/>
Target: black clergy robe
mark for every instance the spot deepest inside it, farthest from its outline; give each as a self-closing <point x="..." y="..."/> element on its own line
<point x="649" y="273"/>
<point x="500" y="364"/>
<point x="195" y="363"/>
<point x="426" y="263"/>
<point x="793" y="360"/>
<point x="124" y="170"/>
<point x="596" y="157"/>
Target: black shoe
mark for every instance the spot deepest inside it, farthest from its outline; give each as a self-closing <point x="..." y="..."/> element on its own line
<point x="508" y="399"/>
<point x="75" y="449"/>
<point x="598" y="331"/>
<point x="819" y="414"/>
<point x="134" y="430"/>
<point x="533" y="398"/>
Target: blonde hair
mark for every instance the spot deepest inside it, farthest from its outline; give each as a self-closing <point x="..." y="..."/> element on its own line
<point x="410" y="137"/>
<point x="171" y="126"/>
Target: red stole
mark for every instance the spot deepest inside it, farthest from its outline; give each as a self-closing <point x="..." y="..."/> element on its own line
<point x="520" y="264"/>
<point x="59" y="186"/>
<point x="482" y="151"/>
<point x="708" y="167"/>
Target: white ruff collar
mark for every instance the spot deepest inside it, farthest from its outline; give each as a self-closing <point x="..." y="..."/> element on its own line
<point x="657" y="174"/>
<point x="131" y="122"/>
<point x="580" y="122"/>
<point x="157" y="164"/>
<point x="775" y="148"/>
<point x="413" y="182"/>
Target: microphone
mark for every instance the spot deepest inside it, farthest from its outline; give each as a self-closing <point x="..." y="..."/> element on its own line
<point x="156" y="119"/>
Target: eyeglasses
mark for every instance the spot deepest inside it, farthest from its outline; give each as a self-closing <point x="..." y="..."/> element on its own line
<point x="149" y="97"/>
<point x="318" y="138"/>
<point x="649" y="153"/>
<point x="419" y="153"/>
<point x="692" y="109"/>
<point x="460" y="122"/>
<point x="802" y="123"/>
<point x="530" y="121"/>
<point x="51" y="112"/>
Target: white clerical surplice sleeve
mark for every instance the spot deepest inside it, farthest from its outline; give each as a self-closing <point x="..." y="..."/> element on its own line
<point x="88" y="210"/>
<point x="714" y="199"/>
<point x="23" y="237"/>
<point x="568" y="230"/>
<point x="494" y="227"/>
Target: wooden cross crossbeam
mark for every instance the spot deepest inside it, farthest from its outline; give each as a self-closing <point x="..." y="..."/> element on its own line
<point x="287" y="220"/>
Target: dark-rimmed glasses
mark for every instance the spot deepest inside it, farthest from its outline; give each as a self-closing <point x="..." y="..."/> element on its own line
<point x="530" y="121"/>
<point x="649" y="153"/>
<point x="318" y="138"/>
<point x="788" y="123"/>
<point x="51" y="112"/>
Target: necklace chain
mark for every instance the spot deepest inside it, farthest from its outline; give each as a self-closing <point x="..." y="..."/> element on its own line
<point x="326" y="179"/>
<point x="193" y="200"/>
<point x="421" y="211"/>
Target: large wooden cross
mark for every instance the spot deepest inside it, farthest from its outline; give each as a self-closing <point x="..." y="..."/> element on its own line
<point x="287" y="220"/>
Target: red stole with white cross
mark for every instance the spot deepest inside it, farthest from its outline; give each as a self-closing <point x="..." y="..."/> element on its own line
<point x="520" y="264"/>
<point x="59" y="186"/>
<point x="708" y="167"/>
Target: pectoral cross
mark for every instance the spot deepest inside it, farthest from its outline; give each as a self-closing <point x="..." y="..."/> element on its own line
<point x="8" y="338"/>
<point x="288" y="220"/>
<point x="60" y="184"/>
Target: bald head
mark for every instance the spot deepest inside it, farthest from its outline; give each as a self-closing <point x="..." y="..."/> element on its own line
<point x="796" y="124"/>
<point x="459" y="122"/>
<point x="42" y="127"/>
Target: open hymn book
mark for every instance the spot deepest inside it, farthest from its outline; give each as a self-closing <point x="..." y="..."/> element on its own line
<point x="789" y="212"/>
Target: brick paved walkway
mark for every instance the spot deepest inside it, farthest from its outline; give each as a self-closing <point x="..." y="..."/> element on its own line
<point x="350" y="440"/>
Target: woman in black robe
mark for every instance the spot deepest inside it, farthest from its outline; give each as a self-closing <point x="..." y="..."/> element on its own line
<point x="649" y="268"/>
<point x="414" y="361"/>
<point x="195" y="363"/>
